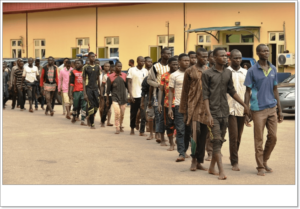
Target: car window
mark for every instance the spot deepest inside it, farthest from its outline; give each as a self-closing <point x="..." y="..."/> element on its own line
<point x="289" y="79"/>
<point x="292" y="81"/>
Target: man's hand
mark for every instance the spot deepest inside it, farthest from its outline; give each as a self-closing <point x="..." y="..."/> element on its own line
<point x="247" y="121"/>
<point x="159" y="108"/>
<point x="246" y="110"/>
<point x="59" y="93"/>
<point x="71" y="96"/>
<point x="132" y="99"/>
<point x="210" y="121"/>
<point x="280" y="117"/>
<point x="85" y="98"/>
<point x="142" y="106"/>
<point x="170" y="113"/>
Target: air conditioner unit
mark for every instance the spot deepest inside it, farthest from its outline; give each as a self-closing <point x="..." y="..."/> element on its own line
<point x="286" y="59"/>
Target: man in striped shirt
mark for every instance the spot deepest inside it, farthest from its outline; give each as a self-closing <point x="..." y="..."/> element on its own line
<point x="154" y="78"/>
<point x="19" y="86"/>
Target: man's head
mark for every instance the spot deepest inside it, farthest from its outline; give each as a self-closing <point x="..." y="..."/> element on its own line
<point x="246" y="66"/>
<point x="184" y="61"/>
<point x="73" y="64"/>
<point x="4" y="65"/>
<point x="193" y="58"/>
<point x="37" y="62"/>
<point x="173" y="64"/>
<point x="97" y="62"/>
<point x="30" y="62"/>
<point x="50" y="61"/>
<point x="65" y="60"/>
<point x="140" y="61"/>
<point x="20" y="63"/>
<point x="211" y="58"/>
<point x="131" y="63"/>
<point x="148" y="62"/>
<point x="202" y="56"/>
<point x="118" y="67"/>
<point x="91" y="57"/>
<point x="106" y="67"/>
<point x="112" y="68"/>
<point x="262" y="52"/>
<point x="220" y="56"/>
<point x="78" y="64"/>
<point x="68" y="64"/>
<point x="165" y="53"/>
<point x="235" y="58"/>
<point x="14" y="63"/>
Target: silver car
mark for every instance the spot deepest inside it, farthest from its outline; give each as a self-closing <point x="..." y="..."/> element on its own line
<point x="286" y="91"/>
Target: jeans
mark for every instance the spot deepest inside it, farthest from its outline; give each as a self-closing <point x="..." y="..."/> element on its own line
<point x="183" y="132"/>
<point x="201" y="131"/>
<point x="134" y="108"/>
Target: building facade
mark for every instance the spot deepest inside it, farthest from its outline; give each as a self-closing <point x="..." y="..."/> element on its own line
<point x="130" y="30"/>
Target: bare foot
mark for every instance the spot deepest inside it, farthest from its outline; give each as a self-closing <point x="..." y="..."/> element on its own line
<point x="137" y="126"/>
<point x="109" y="124"/>
<point x="158" y="140"/>
<point x="157" y="136"/>
<point x="46" y="112"/>
<point x="193" y="165"/>
<point x="64" y="113"/>
<point x="208" y="158"/>
<point x="235" y="167"/>
<point x="213" y="172"/>
<point x="36" y="108"/>
<point x="200" y="167"/>
<point x="222" y="177"/>
<point x="187" y="156"/>
<point x="77" y="119"/>
<point x="83" y="124"/>
<point x="93" y="127"/>
<point x="52" y="113"/>
<point x="132" y="132"/>
<point x="171" y="147"/>
<point x="117" y="131"/>
<point x="180" y="159"/>
<point x="142" y="134"/>
<point x="163" y="143"/>
<point x="121" y="129"/>
<point x="261" y="172"/>
<point x="30" y="110"/>
<point x="43" y="108"/>
<point x="73" y="120"/>
<point x="268" y="169"/>
<point x="150" y="137"/>
<point x="68" y="117"/>
<point x="102" y="124"/>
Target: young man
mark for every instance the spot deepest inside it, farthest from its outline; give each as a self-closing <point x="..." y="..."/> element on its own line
<point x="43" y="100"/>
<point x="106" y="109"/>
<point x="193" y="58"/>
<point x="12" y="86"/>
<point x="261" y="79"/>
<point x="164" y="88"/>
<point x="144" y="102"/>
<point x="192" y="106"/>
<point x="135" y="78"/>
<point x="58" y="74"/>
<point x="236" y="117"/>
<point x="63" y="86"/>
<point x="153" y="80"/>
<point x="5" y="86"/>
<point x="48" y="83"/>
<point x="116" y="85"/>
<point x="131" y="63"/>
<point x="217" y="82"/>
<point x="176" y="83"/>
<point x="76" y="89"/>
<point x="19" y="85"/>
<point x="29" y="76"/>
<point x="91" y="87"/>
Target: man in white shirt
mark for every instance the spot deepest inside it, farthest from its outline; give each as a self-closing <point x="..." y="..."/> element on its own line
<point x="135" y="78"/>
<point x="30" y="75"/>
<point x="236" y="117"/>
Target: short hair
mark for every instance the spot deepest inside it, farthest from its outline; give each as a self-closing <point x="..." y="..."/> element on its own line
<point x="172" y="59"/>
<point x="90" y="53"/>
<point x="247" y="64"/>
<point x="259" y="46"/>
<point x="106" y="63"/>
<point x="79" y="60"/>
<point x="182" y="55"/>
<point x="131" y="61"/>
<point x="217" y="49"/>
<point x="37" y="60"/>
<point x="68" y="62"/>
<point x="117" y="62"/>
<point x="234" y="51"/>
<point x="191" y="52"/>
<point x="66" y="58"/>
<point x="209" y="53"/>
<point x="164" y="49"/>
<point x="201" y="49"/>
<point x="50" y="57"/>
<point x="113" y="65"/>
<point x="147" y="58"/>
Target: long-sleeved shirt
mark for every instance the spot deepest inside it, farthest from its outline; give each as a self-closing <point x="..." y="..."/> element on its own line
<point x="43" y="75"/>
<point x="63" y="81"/>
<point x="215" y="86"/>
<point x="192" y="102"/>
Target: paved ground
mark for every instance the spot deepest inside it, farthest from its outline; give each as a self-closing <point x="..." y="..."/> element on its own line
<point x="39" y="149"/>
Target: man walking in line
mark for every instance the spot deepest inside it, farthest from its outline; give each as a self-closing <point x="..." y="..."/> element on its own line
<point x="261" y="83"/>
<point x="58" y="74"/>
<point x="12" y="86"/>
<point x="193" y="58"/>
<point x="217" y="82"/>
<point x="5" y="85"/>
<point x="19" y="85"/>
<point x="135" y="78"/>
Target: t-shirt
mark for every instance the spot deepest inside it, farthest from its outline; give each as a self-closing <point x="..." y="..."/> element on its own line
<point x="176" y="82"/>
<point x="104" y="80"/>
<point x="116" y="85"/>
<point x="261" y="85"/>
<point x="76" y="80"/>
<point x="137" y="77"/>
<point x="164" y="81"/>
<point x="30" y="73"/>
<point x="91" y="74"/>
<point x="160" y="70"/>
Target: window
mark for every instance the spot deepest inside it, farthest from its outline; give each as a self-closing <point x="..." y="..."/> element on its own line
<point x="239" y="38"/>
<point x="203" y="39"/>
<point x="39" y="49"/>
<point x="163" y="42"/>
<point x="276" y="37"/>
<point x="247" y="38"/>
<point x="83" y="44"/>
<point x="16" y="48"/>
<point x="112" y="44"/>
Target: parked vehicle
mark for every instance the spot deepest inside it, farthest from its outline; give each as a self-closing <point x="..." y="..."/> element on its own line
<point x="10" y="61"/>
<point x="286" y="91"/>
<point x="248" y="60"/>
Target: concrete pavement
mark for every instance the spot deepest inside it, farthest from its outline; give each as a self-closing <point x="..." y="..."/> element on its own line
<point x="39" y="149"/>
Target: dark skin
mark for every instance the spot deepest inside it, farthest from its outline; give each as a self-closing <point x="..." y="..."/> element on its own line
<point x="131" y="64"/>
<point x="193" y="59"/>
<point x="140" y="64"/>
<point x="68" y="108"/>
<point x="220" y="61"/>
<point x="211" y="60"/>
<point x="263" y="55"/>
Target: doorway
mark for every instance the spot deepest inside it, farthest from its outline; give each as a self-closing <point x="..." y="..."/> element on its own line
<point x="75" y="52"/>
<point x="246" y="50"/>
<point x="272" y="56"/>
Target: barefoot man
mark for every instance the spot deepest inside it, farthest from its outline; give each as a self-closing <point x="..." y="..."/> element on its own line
<point x="216" y="83"/>
<point x="116" y="85"/>
<point x="261" y="80"/>
<point x="176" y="84"/>
<point x="192" y="106"/>
<point x="76" y="89"/>
<point x="164" y="88"/>
<point x="91" y="87"/>
<point x="135" y="78"/>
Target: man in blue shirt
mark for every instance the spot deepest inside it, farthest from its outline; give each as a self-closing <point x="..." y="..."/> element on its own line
<point x="261" y="81"/>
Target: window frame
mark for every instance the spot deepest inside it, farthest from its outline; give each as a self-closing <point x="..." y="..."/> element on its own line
<point x="16" y="47"/>
<point x="39" y="47"/>
<point x="112" y="45"/>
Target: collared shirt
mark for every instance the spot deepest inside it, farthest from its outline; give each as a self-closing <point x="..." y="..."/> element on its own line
<point x="176" y="82"/>
<point x="261" y="85"/>
<point x="30" y="73"/>
<point x="238" y="78"/>
<point x="216" y="85"/>
<point x="164" y="81"/>
<point x="192" y="102"/>
<point x="63" y="81"/>
<point x="137" y="76"/>
<point x="116" y="85"/>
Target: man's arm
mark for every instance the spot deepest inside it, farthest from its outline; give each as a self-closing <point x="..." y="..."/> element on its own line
<point x="210" y="119"/>
<point x="160" y="93"/>
<point x="206" y="95"/>
<point x="150" y="96"/>
<point x="279" y="113"/>
<point x="152" y="78"/>
<point x="108" y="90"/>
<point x="185" y="93"/>
<point x="170" y="100"/>
<point x="60" y="80"/>
<point x="247" y="102"/>
<point x="71" y="83"/>
<point x="83" y="83"/>
<point x="130" y="89"/>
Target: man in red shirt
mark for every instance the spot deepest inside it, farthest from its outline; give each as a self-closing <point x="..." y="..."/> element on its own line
<point x="76" y="88"/>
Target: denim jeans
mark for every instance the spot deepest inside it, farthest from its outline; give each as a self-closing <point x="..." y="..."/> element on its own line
<point x="183" y="132"/>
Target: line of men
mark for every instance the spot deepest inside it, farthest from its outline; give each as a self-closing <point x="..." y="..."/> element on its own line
<point x="184" y="94"/>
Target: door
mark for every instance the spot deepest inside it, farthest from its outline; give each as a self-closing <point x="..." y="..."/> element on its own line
<point x="103" y="52"/>
<point x="74" y="52"/>
<point x="272" y="56"/>
<point x="246" y="50"/>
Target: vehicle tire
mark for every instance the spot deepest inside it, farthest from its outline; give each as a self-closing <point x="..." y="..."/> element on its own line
<point x="58" y="99"/>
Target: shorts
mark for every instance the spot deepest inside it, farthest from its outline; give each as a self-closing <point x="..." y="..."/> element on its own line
<point x="150" y="113"/>
<point x="66" y="98"/>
